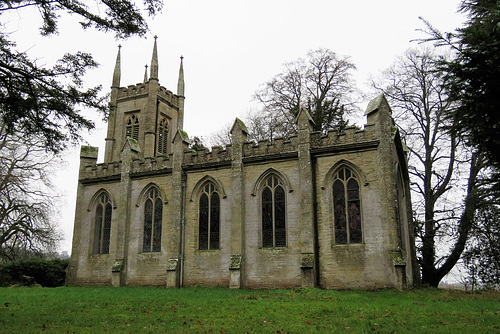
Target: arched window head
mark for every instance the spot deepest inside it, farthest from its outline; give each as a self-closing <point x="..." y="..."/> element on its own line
<point x="102" y="224"/>
<point x="346" y="208"/>
<point x="163" y="136"/>
<point x="133" y="127"/>
<point x="153" y="210"/>
<point x="209" y="218"/>
<point x="273" y="213"/>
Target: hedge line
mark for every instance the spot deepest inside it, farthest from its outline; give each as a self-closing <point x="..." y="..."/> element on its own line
<point x="48" y="273"/>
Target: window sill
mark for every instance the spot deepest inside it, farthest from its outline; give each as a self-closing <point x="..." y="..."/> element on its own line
<point x="348" y="245"/>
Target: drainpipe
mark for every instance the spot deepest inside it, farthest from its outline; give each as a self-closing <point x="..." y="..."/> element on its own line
<point x="183" y="229"/>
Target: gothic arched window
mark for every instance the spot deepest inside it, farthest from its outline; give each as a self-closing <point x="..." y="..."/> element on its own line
<point x="102" y="226"/>
<point x="273" y="213"/>
<point x="209" y="216"/>
<point x="346" y="208"/>
<point x="153" y="210"/>
<point x="163" y="136"/>
<point x="133" y="127"/>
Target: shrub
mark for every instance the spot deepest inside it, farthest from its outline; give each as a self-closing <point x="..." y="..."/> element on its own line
<point x="48" y="273"/>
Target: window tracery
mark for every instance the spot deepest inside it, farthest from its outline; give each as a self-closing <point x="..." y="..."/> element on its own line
<point x="273" y="213"/>
<point x="209" y="218"/>
<point x="346" y="208"/>
<point x="153" y="211"/>
<point x="102" y="225"/>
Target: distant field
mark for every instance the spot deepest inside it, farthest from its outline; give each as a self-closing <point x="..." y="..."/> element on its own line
<point x="220" y="310"/>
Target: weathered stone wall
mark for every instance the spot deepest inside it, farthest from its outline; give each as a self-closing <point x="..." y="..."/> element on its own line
<point x="366" y="265"/>
<point x="207" y="267"/>
<point x="271" y="267"/>
<point x="305" y="163"/>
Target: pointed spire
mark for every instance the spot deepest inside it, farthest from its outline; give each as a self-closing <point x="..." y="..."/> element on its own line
<point x="146" y="74"/>
<point x="116" y="73"/>
<point x="154" y="62"/>
<point x="180" y="83"/>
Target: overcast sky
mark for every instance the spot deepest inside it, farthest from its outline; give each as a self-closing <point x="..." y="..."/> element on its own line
<point x="230" y="47"/>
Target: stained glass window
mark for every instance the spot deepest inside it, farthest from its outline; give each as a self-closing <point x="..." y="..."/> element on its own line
<point x="209" y="218"/>
<point x="153" y="209"/>
<point x="133" y="127"/>
<point x="273" y="213"/>
<point x="346" y="208"/>
<point x="102" y="226"/>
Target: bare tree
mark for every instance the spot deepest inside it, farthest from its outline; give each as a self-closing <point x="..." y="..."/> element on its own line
<point x="321" y="82"/>
<point x="26" y="202"/>
<point x="444" y="174"/>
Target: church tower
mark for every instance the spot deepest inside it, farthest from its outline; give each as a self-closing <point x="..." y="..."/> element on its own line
<point x="146" y="115"/>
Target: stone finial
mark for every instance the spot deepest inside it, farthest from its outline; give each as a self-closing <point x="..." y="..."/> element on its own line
<point x="181" y="135"/>
<point x="154" y="62"/>
<point x="238" y="124"/>
<point x="180" y="83"/>
<point x="304" y="119"/>
<point x="375" y="104"/>
<point x="117" y="71"/>
<point x="375" y="107"/>
<point x="146" y="73"/>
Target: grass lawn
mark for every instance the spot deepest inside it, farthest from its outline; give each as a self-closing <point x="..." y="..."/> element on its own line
<point x="221" y="310"/>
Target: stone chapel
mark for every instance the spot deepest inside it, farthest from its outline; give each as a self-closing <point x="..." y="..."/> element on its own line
<point x="329" y="210"/>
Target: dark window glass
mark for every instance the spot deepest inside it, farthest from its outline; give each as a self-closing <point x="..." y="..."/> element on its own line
<point x="203" y="222"/>
<point x="339" y="212"/>
<point x="148" y="225"/>
<point x="153" y="210"/>
<point x="346" y="208"/>
<point x="214" y="221"/>
<point x="267" y="218"/>
<point x="106" y="231"/>
<point x="209" y="218"/>
<point x="157" y="225"/>
<point x="279" y="217"/>
<point x="98" y="229"/>
<point x="273" y="213"/>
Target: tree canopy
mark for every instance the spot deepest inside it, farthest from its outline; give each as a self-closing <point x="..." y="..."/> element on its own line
<point x="320" y="82"/>
<point x="473" y="76"/>
<point x="47" y="101"/>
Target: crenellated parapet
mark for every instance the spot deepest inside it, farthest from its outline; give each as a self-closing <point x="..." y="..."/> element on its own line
<point x="143" y="89"/>
<point x="270" y="147"/>
<point x="151" y="165"/>
<point x="133" y="90"/>
<point x="215" y="156"/>
<point x="102" y="171"/>
<point x="351" y="137"/>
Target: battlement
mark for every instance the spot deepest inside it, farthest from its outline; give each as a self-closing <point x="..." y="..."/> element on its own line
<point x="267" y="147"/>
<point x="133" y="90"/>
<point x="151" y="165"/>
<point x="216" y="155"/>
<point x="104" y="171"/>
<point x="351" y="135"/>
<point x="143" y="89"/>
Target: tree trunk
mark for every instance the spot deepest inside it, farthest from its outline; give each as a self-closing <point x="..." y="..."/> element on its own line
<point x="432" y="275"/>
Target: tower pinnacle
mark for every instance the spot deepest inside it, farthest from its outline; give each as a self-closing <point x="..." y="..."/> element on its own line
<point x="180" y="83"/>
<point x="116" y="73"/>
<point x="154" y="62"/>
